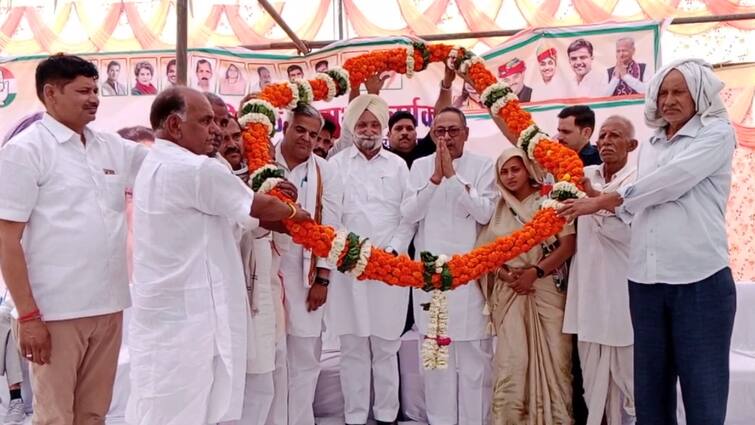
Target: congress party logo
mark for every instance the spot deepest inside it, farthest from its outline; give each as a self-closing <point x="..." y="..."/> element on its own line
<point x="7" y="87"/>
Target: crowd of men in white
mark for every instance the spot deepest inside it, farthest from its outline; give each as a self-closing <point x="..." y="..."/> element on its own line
<point x="228" y="313"/>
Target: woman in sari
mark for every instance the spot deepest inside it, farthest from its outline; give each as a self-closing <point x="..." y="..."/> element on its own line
<point x="532" y="363"/>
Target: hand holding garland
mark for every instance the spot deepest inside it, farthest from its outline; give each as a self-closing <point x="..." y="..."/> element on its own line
<point x="400" y="270"/>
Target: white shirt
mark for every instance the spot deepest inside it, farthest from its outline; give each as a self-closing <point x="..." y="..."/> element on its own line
<point x="594" y="84"/>
<point x="677" y="206"/>
<point x="190" y="306"/>
<point x="556" y="88"/>
<point x="371" y="207"/>
<point x="450" y="216"/>
<point x="296" y="261"/>
<point x="72" y="198"/>
<point x="597" y="302"/>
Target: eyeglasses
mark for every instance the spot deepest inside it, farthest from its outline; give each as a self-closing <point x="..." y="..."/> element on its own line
<point x="451" y="131"/>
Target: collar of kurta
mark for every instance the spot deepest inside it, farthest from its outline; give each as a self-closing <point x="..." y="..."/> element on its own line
<point x="356" y="152"/>
<point x="61" y="133"/>
<point x="282" y="161"/>
<point x="626" y="171"/>
<point x="690" y="129"/>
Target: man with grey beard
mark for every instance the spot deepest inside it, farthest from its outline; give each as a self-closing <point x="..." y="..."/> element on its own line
<point x="369" y="316"/>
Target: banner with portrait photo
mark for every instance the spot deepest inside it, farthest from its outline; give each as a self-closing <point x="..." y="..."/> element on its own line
<point x="130" y="80"/>
<point x="579" y="63"/>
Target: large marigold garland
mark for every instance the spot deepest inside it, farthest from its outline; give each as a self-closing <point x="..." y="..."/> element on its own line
<point x="353" y="254"/>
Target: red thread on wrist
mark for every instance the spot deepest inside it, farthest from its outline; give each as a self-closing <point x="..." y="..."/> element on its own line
<point x="32" y="315"/>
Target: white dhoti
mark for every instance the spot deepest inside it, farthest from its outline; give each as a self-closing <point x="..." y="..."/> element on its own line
<point x="365" y="360"/>
<point x="461" y="393"/>
<point x="609" y="382"/>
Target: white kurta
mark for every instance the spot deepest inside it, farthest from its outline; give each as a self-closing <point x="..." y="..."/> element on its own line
<point x="257" y="256"/>
<point x="296" y="261"/>
<point x="188" y="330"/>
<point x="372" y="192"/>
<point x="597" y="302"/>
<point x="449" y="217"/>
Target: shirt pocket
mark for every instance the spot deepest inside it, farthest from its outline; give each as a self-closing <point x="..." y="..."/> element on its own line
<point x="113" y="192"/>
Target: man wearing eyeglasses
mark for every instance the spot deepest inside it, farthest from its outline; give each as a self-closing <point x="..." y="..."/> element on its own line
<point x="451" y="194"/>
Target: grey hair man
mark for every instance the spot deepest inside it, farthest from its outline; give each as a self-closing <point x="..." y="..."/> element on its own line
<point x="306" y="277"/>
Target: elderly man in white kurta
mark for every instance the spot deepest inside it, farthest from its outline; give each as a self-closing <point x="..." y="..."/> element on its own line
<point x="189" y="328"/>
<point x="597" y="302"/>
<point x="368" y="316"/>
<point x="305" y="278"/>
<point x="452" y="194"/>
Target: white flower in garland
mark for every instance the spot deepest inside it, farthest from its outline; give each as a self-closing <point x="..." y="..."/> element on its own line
<point x="529" y="138"/>
<point x="259" y="171"/>
<point x="255" y="103"/>
<point x="489" y="91"/>
<point x="568" y="188"/>
<point x="304" y="89"/>
<point x="551" y="203"/>
<point x="501" y="102"/>
<point x="440" y="262"/>
<point x="464" y="68"/>
<point x="533" y="144"/>
<point x="343" y="75"/>
<point x="255" y="117"/>
<point x="435" y="346"/>
<point x="410" y="61"/>
<point x="294" y="95"/>
<point x="337" y="247"/>
<point x="269" y="185"/>
<point x="364" y="258"/>
<point x="328" y="82"/>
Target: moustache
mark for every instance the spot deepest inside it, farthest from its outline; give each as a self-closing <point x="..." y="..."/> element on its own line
<point x="232" y="149"/>
<point x="369" y="142"/>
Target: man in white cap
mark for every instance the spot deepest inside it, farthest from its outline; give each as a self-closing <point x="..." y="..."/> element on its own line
<point x="369" y="316"/>
<point x="682" y="297"/>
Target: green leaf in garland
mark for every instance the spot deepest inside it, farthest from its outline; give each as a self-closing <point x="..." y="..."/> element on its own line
<point x="428" y="261"/>
<point x="352" y="253"/>
<point x="260" y="178"/>
<point x="422" y="48"/>
<point x="497" y="94"/>
<point x="257" y="108"/>
<point x="341" y="84"/>
<point x="562" y="195"/>
<point x="446" y="278"/>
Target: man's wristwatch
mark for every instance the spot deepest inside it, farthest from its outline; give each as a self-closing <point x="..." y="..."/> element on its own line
<point x="322" y="281"/>
<point x="540" y="272"/>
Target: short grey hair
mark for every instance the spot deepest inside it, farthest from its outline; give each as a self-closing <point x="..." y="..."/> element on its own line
<point x="214" y="99"/>
<point x="629" y="40"/>
<point x="628" y="126"/>
<point x="304" y="110"/>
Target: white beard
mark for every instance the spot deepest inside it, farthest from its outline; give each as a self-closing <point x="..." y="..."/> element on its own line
<point x="368" y="143"/>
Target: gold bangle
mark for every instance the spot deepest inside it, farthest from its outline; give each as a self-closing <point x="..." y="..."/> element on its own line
<point x="293" y="210"/>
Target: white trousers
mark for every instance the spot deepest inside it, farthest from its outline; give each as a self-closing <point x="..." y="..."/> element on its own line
<point x="609" y="383"/>
<point x="365" y="359"/>
<point x="461" y="394"/>
<point x="265" y="394"/>
<point x="303" y="355"/>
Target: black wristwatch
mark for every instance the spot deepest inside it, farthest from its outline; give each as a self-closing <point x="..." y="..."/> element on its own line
<point x="540" y="272"/>
<point x="322" y="281"/>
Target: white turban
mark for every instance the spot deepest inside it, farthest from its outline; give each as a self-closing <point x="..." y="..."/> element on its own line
<point x="365" y="102"/>
<point x="703" y="85"/>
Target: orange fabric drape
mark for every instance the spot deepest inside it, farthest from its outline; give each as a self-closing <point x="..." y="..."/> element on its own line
<point x="247" y="34"/>
<point x="591" y="11"/>
<point x="143" y="34"/>
<point x="478" y="20"/>
<point x="544" y="14"/>
<point x="725" y="7"/>
<point x="364" y="27"/>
